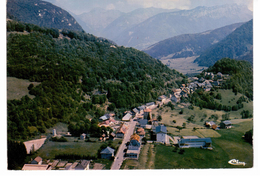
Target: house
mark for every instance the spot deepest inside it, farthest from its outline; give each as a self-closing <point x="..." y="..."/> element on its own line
<point x="195" y="143"/>
<point x="141" y="109"/>
<point x="219" y="75"/>
<point x="83" y="136"/>
<point x="120" y="132"/>
<point x="105" y="117"/>
<point x="107" y="153"/>
<point x="189" y="137"/>
<point x="140" y="132"/>
<point x="162" y="98"/>
<point x="201" y="79"/>
<point x="134" y="142"/>
<point x="71" y="166"/>
<point x="37" y="160"/>
<point x="36" y="167"/>
<point x="133" y="154"/>
<point x="225" y="124"/>
<point x="215" y="83"/>
<point x="112" y="136"/>
<point x="83" y="165"/>
<point x="136" y="111"/>
<point x="134" y="146"/>
<point x="209" y="124"/>
<point x="147" y="114"/>
<point x="34" y="145"/>
<point x="161" y="134"/>
<point x="143" y="123"/>
<point x="150" y="105"/>
<point x="176" y="98"/>
<point x="209" y="75"/>
<point x="127" y="117"/>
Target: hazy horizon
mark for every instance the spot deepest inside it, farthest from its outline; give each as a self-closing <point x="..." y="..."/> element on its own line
<point x="82" y="6"/>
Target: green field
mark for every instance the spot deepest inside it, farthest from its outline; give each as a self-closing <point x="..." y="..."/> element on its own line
<point x="50" y="149"/>
<point x="229" y="146"/>
<point x="183" y="65"/>
<point x="17" y="88"/>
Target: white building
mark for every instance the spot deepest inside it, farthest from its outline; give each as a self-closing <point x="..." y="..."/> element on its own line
<point x="161" y="134"/>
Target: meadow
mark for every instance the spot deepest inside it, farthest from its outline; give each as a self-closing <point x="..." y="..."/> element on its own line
<point x="230" y="145"/>
<point x="17" y="88"/>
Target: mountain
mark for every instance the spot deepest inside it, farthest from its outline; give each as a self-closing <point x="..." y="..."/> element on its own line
<point x="97" y="19"/>
<point x="166" y="25"/>
<point x="42" y="14"/>
<point x="188" y="45"/>
<point x="129" y="20"/>
<point x="237" y="45"/>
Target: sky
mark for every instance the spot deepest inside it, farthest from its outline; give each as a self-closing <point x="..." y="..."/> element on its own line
<point x="80" y="6"/>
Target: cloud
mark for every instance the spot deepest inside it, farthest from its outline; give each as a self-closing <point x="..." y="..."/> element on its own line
<point x="110" y="7"/>
<point x="166" y="4"/>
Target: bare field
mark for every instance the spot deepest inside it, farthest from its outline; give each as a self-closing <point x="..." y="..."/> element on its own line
<point x="17" y="88"/>
<point x="183" y="65"/>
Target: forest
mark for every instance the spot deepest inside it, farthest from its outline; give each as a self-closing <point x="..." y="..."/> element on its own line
<point x="70" y="66"/>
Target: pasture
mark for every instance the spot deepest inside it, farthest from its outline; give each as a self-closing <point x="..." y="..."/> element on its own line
<point x="17" y="88"/>
<point x="230" y="145"/>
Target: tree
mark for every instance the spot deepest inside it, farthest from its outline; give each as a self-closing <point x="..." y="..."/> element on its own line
<point x="179" y="128"/>
<point x="184" y="125"/>
<point x="249" y="136"/>
<point x="159" y="117"/>
<point x="218" y="96"/>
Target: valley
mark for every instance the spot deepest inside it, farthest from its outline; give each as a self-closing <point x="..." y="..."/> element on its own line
<point x="183" y="65"/>
<point x="105" y="88"/>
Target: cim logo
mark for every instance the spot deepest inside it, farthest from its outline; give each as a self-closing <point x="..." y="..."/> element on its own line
<point x="236" y="162"/>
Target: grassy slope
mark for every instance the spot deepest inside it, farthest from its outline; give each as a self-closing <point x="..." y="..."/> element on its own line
<point x="50" y="149"/>
<point x="229" y="146"/>
<point x="17" y="88"/>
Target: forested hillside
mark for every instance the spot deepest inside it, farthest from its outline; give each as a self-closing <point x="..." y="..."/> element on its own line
<point x="41" y="13"/>
<point x="70" y="65"/>
<point x="241" y="75"/>
<point x="188" y="45"/>
<point x="237" y="45"/>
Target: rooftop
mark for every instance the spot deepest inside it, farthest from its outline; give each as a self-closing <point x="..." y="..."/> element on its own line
<point x="107" y="150"/>
<point x="161" y="128"/>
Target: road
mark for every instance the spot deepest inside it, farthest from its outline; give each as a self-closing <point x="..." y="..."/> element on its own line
<point x="119" y="158"/>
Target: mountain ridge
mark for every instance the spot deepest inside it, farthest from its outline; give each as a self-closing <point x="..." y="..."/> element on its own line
<point x="237" y="45"/>
<point x="166" y="25"/>
<point x="42" y="13"/>
<point x="187" y="45"/>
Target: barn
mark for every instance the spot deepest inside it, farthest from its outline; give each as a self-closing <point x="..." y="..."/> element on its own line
<point x="195" y="143"/>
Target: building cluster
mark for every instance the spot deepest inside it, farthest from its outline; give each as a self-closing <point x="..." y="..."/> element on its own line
<point x="39" y="164"/>
<point x="224" y="125"/>
<point x="207" y="82"/>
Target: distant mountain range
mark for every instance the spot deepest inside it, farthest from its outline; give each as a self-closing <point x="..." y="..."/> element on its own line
<point x="97" y="20"/>
<point x="41" y="13"/>
<point x="237" y="45"/>
<point x="188" y="45"/>
<point x="166" y="25"/>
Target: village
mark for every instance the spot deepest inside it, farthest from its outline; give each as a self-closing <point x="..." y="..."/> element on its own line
<point x="137" y="127"/>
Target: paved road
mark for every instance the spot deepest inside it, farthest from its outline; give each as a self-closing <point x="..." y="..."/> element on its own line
<point x="119" y="158"/>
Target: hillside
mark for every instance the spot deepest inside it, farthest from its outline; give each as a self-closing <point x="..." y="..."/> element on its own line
<point x="237" y="45"/>
<point x="241" y="75"/>
<point x="72" y="67"/>
<point x="166" y="25"/>
<point x="42" y="14"/>
<point x="188" y="45"/>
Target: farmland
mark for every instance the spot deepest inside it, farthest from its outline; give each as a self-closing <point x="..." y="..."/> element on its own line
<point x="229" y="146"/>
